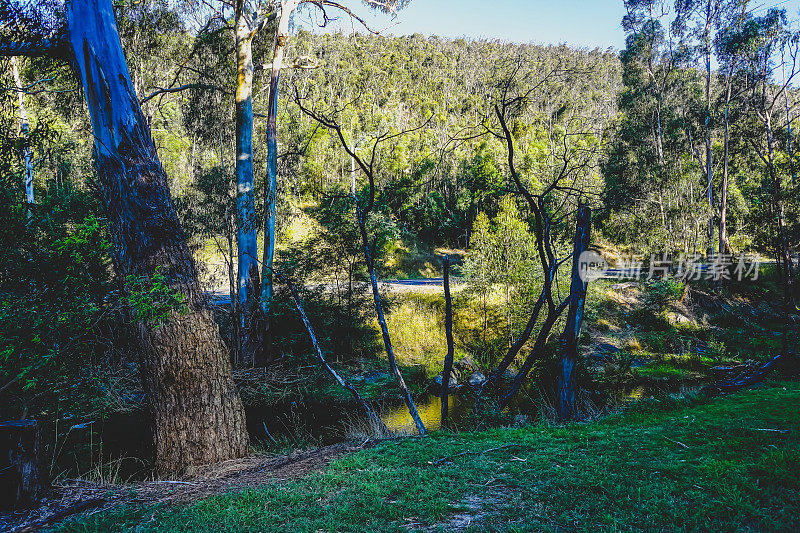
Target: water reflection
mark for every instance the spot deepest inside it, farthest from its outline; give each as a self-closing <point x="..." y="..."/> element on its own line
<point x="398" y="419"/>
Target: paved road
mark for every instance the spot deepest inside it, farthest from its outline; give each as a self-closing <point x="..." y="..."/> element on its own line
<point x="224" y="298"/>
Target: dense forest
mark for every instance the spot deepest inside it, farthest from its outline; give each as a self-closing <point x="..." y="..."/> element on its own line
<point x="236" y="234"/>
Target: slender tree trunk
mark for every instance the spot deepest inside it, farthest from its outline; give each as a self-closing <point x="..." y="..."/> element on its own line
<point x="709" y="168"/>
<point x="24" y="129"/>
<point x="271" y="188"/>
<point x="565" y="404"/>
<point x="387" y="341"/>
<point x="724" y="247"/>
<point x="198" y="416"/>
<point x="448" y="330"/>
<point x="247" y="245"/>
<point x="298" y="302"/>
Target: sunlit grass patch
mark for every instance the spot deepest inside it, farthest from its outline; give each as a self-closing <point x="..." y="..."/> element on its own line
<point x="673" y="463"/>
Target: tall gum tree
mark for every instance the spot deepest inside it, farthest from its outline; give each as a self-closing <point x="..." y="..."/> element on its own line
<point x="198" y="416"/>
<point x="247" y="25"/>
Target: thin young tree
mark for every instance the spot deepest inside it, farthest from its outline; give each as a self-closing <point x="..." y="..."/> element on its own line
<point x="363" y="207"/>
<point x="569" y="165"/>
<point x="287" y="9"/>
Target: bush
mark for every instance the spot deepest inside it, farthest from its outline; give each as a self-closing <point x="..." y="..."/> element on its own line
<point x="661" y="293"/>
<point x="55" y="295"/>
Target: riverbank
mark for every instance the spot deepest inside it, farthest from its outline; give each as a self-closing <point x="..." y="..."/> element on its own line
<point x="731" y="463"/>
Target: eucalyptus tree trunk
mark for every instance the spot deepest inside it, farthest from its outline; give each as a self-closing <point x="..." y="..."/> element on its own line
<point x="198" y="416"/>
<point x="709" y="168"/>
<point x="247" y="245"/>
<point x="24" y="129"/>
<point x="271" y="188"/>
<point x="724" y="246"/>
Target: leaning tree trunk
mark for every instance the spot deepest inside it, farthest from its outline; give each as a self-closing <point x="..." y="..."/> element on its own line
<point x="448" y="329"/>
<point x="565" y="401"/>
<point x="361" y="216"/>
<point x="198" y="416"/>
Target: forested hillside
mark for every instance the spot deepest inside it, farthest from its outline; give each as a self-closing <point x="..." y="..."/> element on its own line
<point x="231" y="230"/>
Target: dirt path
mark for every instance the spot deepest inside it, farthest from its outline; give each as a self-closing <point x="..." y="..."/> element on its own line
<point x="229" y="476"/>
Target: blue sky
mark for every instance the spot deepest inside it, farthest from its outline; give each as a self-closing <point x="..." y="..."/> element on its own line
<point x="582" y="23"/>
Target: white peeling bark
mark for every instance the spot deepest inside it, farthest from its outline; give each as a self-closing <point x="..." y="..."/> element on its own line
<point x="24" y="128"/>
<point x="271" y="188"/>
<point x="247" y="245"/>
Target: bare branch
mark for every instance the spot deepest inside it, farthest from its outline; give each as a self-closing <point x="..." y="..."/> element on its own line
<point x="161" y="90"/>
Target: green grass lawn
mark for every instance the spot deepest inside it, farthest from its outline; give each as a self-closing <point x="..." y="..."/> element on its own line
<point x="667" y="465"/>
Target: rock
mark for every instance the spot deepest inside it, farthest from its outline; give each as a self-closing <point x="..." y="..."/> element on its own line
<point x="521" y="420"/>
<point x="605" y="353"/>
<point x="466" y="365"/>
<point x="722" y="373"/>
<point x="607" y="348"/>
<point x="476" y="379"/>
<point x="626" y="285"/>
<point x="508" y="376"/>
<point x="679" y="319"/>
<point x="601" y="358"/>
<point x="436" y="383"/>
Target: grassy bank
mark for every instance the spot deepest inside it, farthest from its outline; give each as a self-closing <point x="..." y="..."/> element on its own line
<point x="726" y="464"/>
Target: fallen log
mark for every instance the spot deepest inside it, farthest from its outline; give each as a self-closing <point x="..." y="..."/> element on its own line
<point x="60" y="515"/>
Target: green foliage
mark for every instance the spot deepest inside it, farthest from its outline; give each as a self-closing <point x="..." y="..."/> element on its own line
<point x="661" y="293"/>
<point x="153" y="299"/>
<point x="503" y="256"/>
<point x="55" y="292"/>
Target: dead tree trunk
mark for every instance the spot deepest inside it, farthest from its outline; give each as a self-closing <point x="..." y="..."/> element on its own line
<point x="387" y="341"/>
<point x="371" y="415"/>
<point x="198" y="416"/>
<point x="448" y="330"/>
<point x="565" y="404"/>
<point x="21" y="481"/>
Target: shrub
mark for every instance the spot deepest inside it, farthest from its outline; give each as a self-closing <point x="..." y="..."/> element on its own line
<point x="661" y="293"/>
